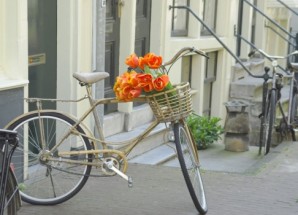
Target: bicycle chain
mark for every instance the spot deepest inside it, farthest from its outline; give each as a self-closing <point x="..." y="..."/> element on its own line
<point x="90" y="175"/>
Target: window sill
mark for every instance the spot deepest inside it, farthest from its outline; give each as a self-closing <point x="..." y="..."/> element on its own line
<point x="11" y="84"/>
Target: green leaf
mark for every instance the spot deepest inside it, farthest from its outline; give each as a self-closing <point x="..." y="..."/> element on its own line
<point x="205" y="130"/>
<point x="147" y="70"/>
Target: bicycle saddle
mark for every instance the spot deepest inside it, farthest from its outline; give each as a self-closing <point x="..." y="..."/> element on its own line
<point x="90" y="77"/>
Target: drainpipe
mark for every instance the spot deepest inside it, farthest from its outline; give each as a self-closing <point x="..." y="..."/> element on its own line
<point x="296" y="56"/>
<point x="239" y="27"/>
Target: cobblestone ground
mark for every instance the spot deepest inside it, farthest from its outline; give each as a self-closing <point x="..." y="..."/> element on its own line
<point x="272" y="188"/>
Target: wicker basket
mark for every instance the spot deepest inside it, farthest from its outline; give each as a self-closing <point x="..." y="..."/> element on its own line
<point x="173" y="104"/>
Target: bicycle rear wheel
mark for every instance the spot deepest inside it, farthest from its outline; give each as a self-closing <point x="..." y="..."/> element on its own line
<point x="189" y="163"/>
<point x="269" y="120"/>
<point x="40" y="180"/>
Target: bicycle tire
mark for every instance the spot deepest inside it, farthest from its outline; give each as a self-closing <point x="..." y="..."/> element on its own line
<point x="10" y="200"/>
<point x="269" y="120"/>
<point x="188" y="160"/>
<point x="48" y="182"/>
<point x="294" y="116"/>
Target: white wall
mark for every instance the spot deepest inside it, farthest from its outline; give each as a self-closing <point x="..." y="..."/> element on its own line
<point x="162" y="43"/>
<point x="13" y="44"/>
<point x="75" y="45"/>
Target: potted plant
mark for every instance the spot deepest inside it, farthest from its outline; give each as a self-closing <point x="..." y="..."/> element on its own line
<point x="205" y="129"/>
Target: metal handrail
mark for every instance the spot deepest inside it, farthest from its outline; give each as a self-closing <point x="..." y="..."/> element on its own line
<point x="291" y="36"/>
<point x="267" y="17"/>
<point x="254" y="47"/>
<point x="217" y="38"/>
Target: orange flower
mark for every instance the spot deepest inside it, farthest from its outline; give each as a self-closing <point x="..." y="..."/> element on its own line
<point x="142" y="62"/>
<point x="152" y="60"/>
<point x="134" y="94"/>
<point x="133" y="80"/>
<point x="161" y="82"/>
<point x="132" y="61"/>
<point x="126" y="86"/>
<point x="117" y="84"/>
<point x="131" y="84"/>
<point x="145" y="82"/>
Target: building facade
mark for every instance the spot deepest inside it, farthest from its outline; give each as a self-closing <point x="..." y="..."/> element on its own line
<point x="44" y="42"/>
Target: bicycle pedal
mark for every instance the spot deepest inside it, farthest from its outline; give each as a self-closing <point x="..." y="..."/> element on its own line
<point x="118" y="172"/>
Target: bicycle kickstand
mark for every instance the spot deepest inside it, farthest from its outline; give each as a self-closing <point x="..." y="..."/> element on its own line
<point x="117" y="171"/>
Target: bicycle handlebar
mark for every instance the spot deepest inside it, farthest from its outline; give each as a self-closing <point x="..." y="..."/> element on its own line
<point x="182" y="52"/>
<point x="271" y="57"/>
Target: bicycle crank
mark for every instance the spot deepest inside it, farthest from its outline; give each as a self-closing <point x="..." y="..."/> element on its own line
<point x="111" y="165"/>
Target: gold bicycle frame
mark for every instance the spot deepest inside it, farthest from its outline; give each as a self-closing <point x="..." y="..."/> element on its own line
<point x="128" y="145"/>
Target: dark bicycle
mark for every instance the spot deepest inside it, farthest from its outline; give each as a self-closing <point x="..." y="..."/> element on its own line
<point x="10" y="201"/>
<point x="272" y="100"/>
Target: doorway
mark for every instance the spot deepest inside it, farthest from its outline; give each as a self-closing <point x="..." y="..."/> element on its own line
<point x="112" y="43"/>
<point x="42" y="50"/>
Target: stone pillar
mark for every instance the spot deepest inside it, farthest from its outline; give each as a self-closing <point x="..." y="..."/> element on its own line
<point x="237" y="126"/>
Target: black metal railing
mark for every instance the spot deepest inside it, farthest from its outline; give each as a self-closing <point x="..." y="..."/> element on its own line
<point x="238" y="60"/>
<point x="237" y="33"/>
<point x="288" y="36"/>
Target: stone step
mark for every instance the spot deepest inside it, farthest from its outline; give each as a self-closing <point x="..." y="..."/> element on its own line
<point x="256" y="67"/>
<point x="256" y="106"/>
<point x="156" y="138"/>
<point x="250" y="88"/>
<point x="252" y="92"/>
<point x="118" y="122"/>
<point x="157" y="156"/>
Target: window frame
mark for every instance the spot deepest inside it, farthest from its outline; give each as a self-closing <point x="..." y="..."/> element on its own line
<point x="186" y="69"/>
<point x="209" y="81"/>
<point x="204" y="31"/>
<point x="180" y="32"/>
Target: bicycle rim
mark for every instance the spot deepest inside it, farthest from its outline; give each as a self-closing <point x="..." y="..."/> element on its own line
<point x="48" y="182"/>
<point x="190" y="167"/>
<point x="269" y="121"/>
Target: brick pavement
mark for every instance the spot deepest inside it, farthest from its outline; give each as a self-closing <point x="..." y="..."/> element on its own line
<point x="270" y="188"/>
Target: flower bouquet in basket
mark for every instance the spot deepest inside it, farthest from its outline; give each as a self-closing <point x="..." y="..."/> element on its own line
<point x="146" y="75"/>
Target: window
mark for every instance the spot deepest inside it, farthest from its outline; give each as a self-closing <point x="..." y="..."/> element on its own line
<point x="180" y="19"/>
<point x="186" y="69"/>
<point x="210" y="77"/>
<point x="209" y="16"/>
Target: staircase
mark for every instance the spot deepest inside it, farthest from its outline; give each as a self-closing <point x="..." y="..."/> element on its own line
<point x="249" y="89"/>
<point x="156" y="149"/>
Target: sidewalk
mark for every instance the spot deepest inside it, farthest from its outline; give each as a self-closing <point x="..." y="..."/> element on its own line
<point x="235" y="184"/>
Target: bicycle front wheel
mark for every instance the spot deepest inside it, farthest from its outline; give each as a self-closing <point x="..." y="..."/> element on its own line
<point x="189" y="163"/>
<point x="44" y="178"/>
<point x="269" y="120"/>
<point x="294" y="116"/>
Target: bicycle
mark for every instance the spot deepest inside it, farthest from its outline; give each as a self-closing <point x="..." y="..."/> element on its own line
<point x="58" y="151"/>
<point x="10" y="201"/>
<point x="271" y="98"/>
